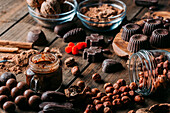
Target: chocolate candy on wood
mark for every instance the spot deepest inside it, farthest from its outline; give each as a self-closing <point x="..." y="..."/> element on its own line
<point x="146" y="2"/>
<point x="94" y="40"/>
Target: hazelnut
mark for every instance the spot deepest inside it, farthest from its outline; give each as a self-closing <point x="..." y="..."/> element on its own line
<point x="9" y="107"/>
<point x="95" y="91"/>
<point x="107" y="104"/>
<point x="96" y="101"/>
<point x="116" y="91"/>
<point x="28" y="93"/>
<point x="133" y="86"/>
<point x="139" y="99"/>
<point x="109" y="89"/>
<point x="35" y="3"/>
<point x="131" y="93"/>
<point x="15" y="92"/>
<point x="123" y="89"/>
<point x="21" y="102"/>
<point x="96" y="77"/>
<point x="11" y="83"/>
<point x="34" y="101"/>
<point x="75" y="71"/>
<point x="81" y="84"/>
<point x="107" y="85"/>
<point x="124" y="94"/>
<point x="117" y="103"/>
<point x="100" y="95"/>
<point x="109" y="95"/>
<point x="121" y="82"/>
<point x="105" y="98"/>
<point x="107" y="110"/>
<point x="125" y="99"/>
<point x="3" y="99"/>
<point x="115" y="97"/>
<point x="99" y="108"/>
<point x="4" y="90"/>
<point x="116" y="86"/>
<point x="90" y="109"/>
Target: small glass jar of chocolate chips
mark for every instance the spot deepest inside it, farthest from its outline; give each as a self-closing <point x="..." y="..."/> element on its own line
<point x="44" y="72"/>
<point x="149" y="70"/>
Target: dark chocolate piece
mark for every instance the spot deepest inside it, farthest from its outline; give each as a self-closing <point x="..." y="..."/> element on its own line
<point x="75" y="35"/>
<point x="37" y="37"/>
<point x="146" y="2"/>
<point x="64" y="28"/>
<point x="94" y="40"/>
<point x="138" y="42"/>
<point x="93" y="54"/>
<point x="160" y="38"/>
<point x="110" y="65"/>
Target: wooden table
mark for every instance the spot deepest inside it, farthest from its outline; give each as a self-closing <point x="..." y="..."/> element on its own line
<point x="15" y="23"/>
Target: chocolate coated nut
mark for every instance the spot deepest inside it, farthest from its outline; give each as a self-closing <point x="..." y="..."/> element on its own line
<point x="63" y="28"/>
<point x="123" y="89"/>
<point x="107" y="85"/>
<point x="100" y="95"/>
<point x="15" y="92"/>
<point x="4" y="90"/>
<point x="81" y="84"/>
<point x="11" y="83"/>
<point x="5" y="76"/>
<point x="3" y="99"/>
<point x="116" y="91"/>
<point x="125" y="99"/>
<point x="105" y="98"/>
<point x="117" y="103"/>
<point x="99" y="108"/>
<point x="121" y="82"/>
<point x="69" y="61"/>
<point x="75" y="71"/>
<point x="34" y="102"/>
<point x="96" y="77"/>
<point x="107" y="104"/>
<point x="107" y="110"/>
<point x="21" y="102"/>
<point x="116" y="86"/>
<point x="133" y="86"/>
<point x="109" y="89"/>
<point x="139" y="99"/>
<point x="96" y="101"/>
<point x="95" y="91"/>
<point x="37" y="37"/>
<point x="9" y="106"/>
<point x="22" y="86"/>
<point x="28" y="93"/>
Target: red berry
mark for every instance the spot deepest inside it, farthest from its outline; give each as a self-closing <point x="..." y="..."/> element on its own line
<point x="80" y="46"/>
<point x="84" y="44"/>
<point x="71" y="44"/>
<point x="68" y="49"/>
<point x="75" y="50"/>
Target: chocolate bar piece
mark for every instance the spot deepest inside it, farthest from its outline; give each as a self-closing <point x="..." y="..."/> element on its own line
<point x="93" y="54"/>
<point x="110" y="65"/>
<point x="146" y="2"/>
<point x="94" y="40"/>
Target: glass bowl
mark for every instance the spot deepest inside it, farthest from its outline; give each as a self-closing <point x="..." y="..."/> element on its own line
<point x="107" y="24"/>
<point x="50" y="21"/>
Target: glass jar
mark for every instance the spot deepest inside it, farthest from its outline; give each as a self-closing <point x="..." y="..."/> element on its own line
<point x="44" y="72"/>
<point x="149" y="70"/>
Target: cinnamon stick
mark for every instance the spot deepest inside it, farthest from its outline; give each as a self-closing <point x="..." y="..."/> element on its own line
<point x="8" y="50"/>
<point x="24" y="45"/>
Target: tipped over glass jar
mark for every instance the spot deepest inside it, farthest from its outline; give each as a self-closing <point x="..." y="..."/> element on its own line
<point x="149" y="70"/>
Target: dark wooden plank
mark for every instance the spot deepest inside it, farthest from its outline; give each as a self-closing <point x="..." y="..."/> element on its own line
<point x="11" y="11"/>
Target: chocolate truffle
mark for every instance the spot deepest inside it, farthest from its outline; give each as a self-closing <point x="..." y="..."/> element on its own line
<point x="34" y="102"/>
<point x="151" y="25"/>
<point x="138" y="42"/>
<point x="3" y="99"/>
<point x="21" y="102"/>
<point x="4" y="90"/>
<point x="28" y="93"/>
<point x="37" y="37"/>
<point x="129" y="30"/>
<point x="75" y="35"/>
<point x="9" y="106"/>
<point x="5" y="76"/>
<point x="15" y="92"/>
<point x="11" y="83"/>
<point x="22" y="86"/>
<point x="160" y="38"/>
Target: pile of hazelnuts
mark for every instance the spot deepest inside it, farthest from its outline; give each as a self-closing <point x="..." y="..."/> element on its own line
<point x="117" y="95"/>
<point x="13" y="93"/>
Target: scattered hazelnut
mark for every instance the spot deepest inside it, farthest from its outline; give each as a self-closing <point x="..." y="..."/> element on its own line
<point x="107" y="85"/>
<point x="96" y="101"/>
<point x="133" y="86"/>
<point x="99" y="108"/>
<point x="105" y="98"/>
<point x="107" y="110"/>
<point x="100" y="95"/>
<point x="123" y="89"/>
<point x="116" y="86"/>
<point x="69" y="61"/>
<point x="117" y="103"/>
<point x="109" y="89"/>
<point x="96" y="77"/>
<point x="116" y="91"/>
<point x="75" y="71"/>
<point x="139" y="99"/>
<point x="121" y="82"/>
<point x="107" y="104"/>
<point x="90" y="109"/>
<point x="95" y="91"/>
<point x="4" y="90"/>
<point x="125" y="99"/>
<point x="81" y="84"/>
<point x="9" y="106"/>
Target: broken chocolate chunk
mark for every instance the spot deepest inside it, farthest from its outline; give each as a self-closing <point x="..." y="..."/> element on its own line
<point x="93" y="54"/>
<point x="94" y="40"/>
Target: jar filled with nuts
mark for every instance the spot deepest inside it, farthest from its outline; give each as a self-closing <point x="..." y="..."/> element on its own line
<point x="149" y="70"/>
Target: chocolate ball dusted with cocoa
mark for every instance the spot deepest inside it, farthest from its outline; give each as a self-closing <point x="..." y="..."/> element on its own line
<point x="11" y="83"/>
<point x="96" y="77"/>
<point x="9" y="106"/>
<point x="3" y="99"/>
<point x="37" y="37"/>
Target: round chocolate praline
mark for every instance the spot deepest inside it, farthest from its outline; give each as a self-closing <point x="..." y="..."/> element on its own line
<point x="21" y="102"/>
<point x="129" y="30"/>
<point x="151" y="25"/>
<point x="160" y="38"/>
<point x="138" y="42"/>
<point x="9" y="107"/>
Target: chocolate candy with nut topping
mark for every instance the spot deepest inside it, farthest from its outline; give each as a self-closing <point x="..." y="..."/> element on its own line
<point x="93" y="54"/>
<point x="94" y="40"/>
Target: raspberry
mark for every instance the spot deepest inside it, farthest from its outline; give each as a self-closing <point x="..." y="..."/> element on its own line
<point x="68" y="49"/>
<point x="75" y="50"/>
<point x="71" y="44"/>
<point x="80" y="46"/>
<point x="84" y="44"/>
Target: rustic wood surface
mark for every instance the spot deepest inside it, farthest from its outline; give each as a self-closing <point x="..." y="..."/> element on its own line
<point x="15" y="23"/>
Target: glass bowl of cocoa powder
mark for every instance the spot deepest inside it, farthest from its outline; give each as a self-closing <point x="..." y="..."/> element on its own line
<point x="52" y="12"/>
<point x="101" y="16"/>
